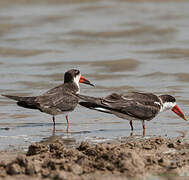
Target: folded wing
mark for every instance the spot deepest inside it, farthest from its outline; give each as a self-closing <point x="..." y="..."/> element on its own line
<point x="135" y="105"/>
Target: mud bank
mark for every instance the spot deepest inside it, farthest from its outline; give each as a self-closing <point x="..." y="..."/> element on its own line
<point x="132" y="158"/>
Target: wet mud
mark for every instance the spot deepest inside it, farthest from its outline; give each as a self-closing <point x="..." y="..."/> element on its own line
<point x="126" y="159"/>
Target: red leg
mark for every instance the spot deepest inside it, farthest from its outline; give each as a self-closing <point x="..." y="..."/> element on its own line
<point x="144" y="128"/>
<point x="67" y="123"/>
<point x="131" y="124"/>
<point x="53" y="118"/>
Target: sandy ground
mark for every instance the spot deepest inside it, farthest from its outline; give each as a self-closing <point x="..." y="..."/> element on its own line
<point x="131" y="158"/>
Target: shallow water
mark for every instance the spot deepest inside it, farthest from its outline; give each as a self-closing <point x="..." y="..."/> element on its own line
<point x="120" y="46"/>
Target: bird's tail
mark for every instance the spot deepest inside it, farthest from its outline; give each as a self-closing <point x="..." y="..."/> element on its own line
<point x="26" y="102"/>
<point x="94" y="106"/>
<point x="93" y="103"/>
<point x="90" y="99"/>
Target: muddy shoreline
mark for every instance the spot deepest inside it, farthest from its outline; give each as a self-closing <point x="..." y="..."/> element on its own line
<point x="132" y="158"/>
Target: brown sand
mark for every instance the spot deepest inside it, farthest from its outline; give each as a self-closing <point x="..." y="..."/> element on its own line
<point x="133" y="158"/>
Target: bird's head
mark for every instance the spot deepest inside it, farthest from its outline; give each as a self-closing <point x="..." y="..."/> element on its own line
<point x="169" y="102"/>
<point x="74" y="75"/>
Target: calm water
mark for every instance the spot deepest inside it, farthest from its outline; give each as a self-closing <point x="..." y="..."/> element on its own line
<point x="120" y="46"/>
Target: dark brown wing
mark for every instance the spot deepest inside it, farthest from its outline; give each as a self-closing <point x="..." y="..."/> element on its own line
<point x="137" y="110"/>
<point x="61" y="97"/>
<point x="137" y="105"/>
<point x="145" y="97"/>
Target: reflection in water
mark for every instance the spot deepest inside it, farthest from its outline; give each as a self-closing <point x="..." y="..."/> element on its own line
<point x="174" y="53"/>
<point x="143" y="31"/>
<point x="7" y="52"/>
<point x="118" y="65"/>
<point x="120" y="45"/>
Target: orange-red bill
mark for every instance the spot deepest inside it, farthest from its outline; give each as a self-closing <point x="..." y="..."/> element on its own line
<point x="85" y="81"/>
<point x="177" y="110"/>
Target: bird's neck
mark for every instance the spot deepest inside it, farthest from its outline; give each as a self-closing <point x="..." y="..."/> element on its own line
<point x="73" y="87"/>
<point x="167" y="105"/>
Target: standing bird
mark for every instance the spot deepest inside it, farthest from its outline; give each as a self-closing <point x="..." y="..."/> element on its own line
<point x="59" y="100"/>
<point x="133" y="106"/>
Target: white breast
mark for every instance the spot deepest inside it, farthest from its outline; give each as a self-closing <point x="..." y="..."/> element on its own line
<point x="76" y="81"/>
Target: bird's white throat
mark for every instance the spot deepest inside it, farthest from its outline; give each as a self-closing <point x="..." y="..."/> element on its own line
<point x="167" y="106"/>
<point x="76" y="81"/>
